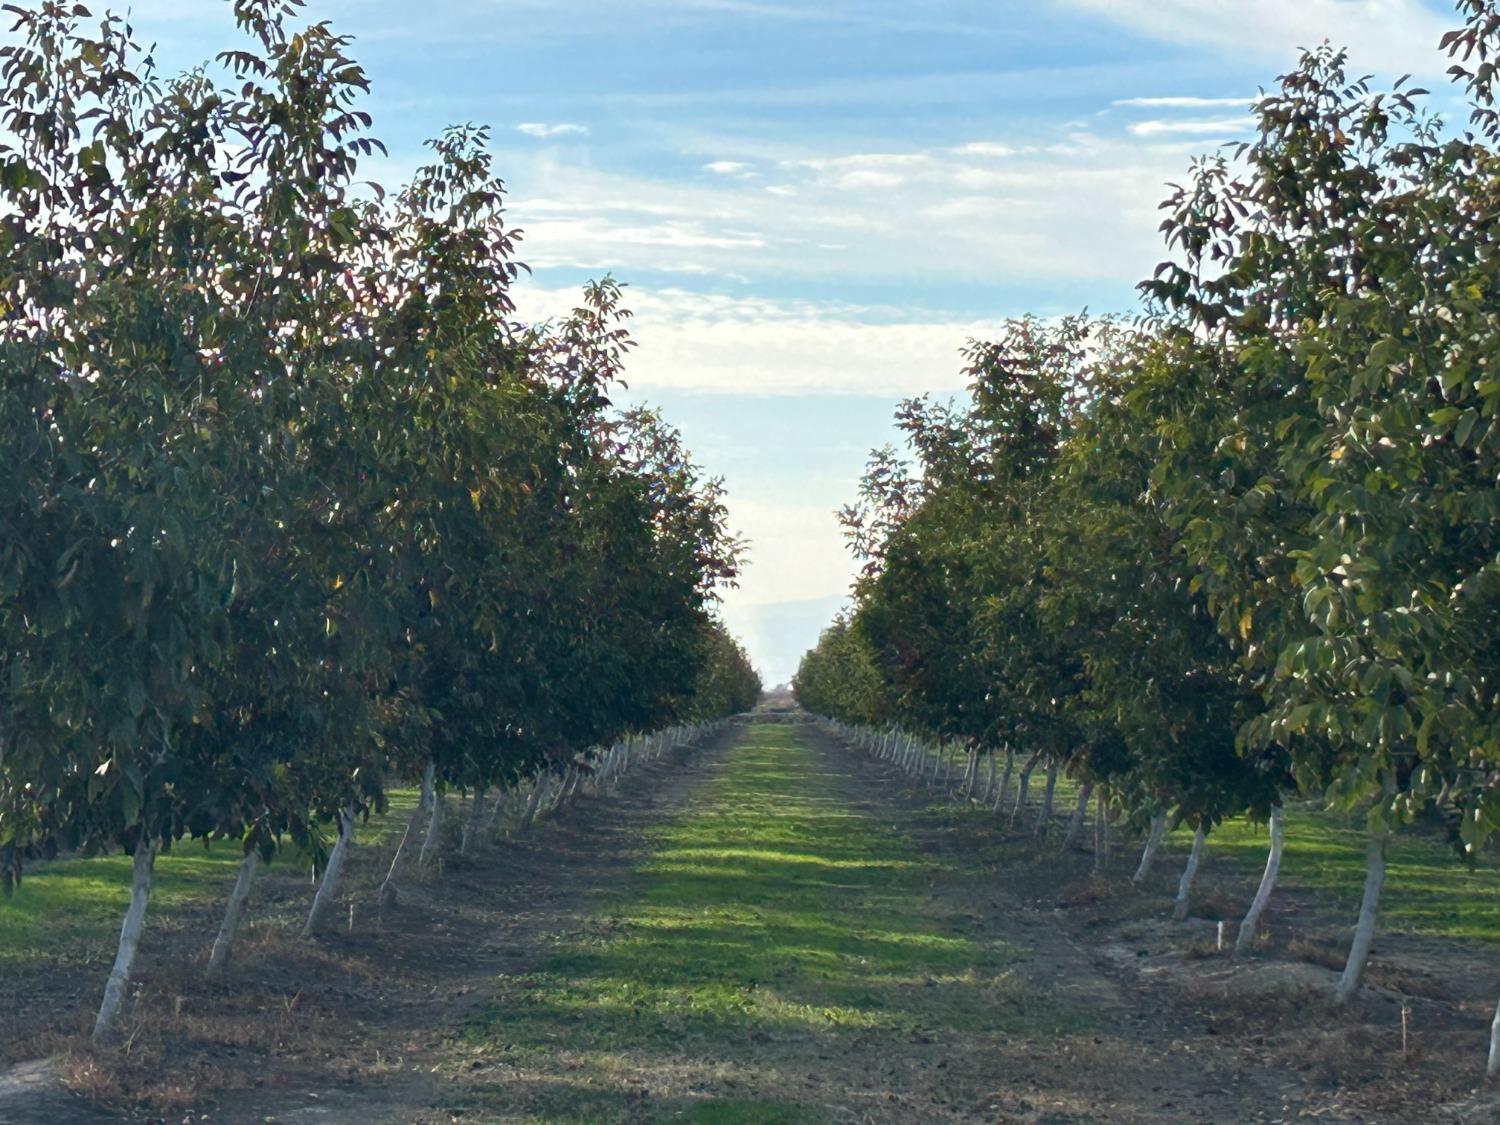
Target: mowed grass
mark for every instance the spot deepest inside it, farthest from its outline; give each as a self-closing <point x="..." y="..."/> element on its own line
<point x="774" y="925"/>
<point x="1428" y="890"/>
<point x="70" y="911"/>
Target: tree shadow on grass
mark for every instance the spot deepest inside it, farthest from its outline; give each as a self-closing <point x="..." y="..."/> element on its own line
<point x="772" y="927"/>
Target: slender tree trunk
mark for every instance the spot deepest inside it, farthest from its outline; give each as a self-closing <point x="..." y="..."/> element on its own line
<point x="1153" y="842"/>
<point x="1267" y="885"/>
<point x="1023" y="783"/>
<point x="388" y="894"/>
<point x="1364" y="928"/>
<point x="1189" y="873"/>
<point x="328" y="887"/>
<point x="562" y="789"/>
<point x="1080" y="810"/>
<point x="937" y="761"/>
<point x="1048" y="792"/>
<point x="1010" y="765"/>
<point x="971" y="771"/>
<point x="218" y="960"/>
<point x="533" y="800"/>
<point x="142" y="868"/>
<point x="1493" y="1067"/>
<point x="434" y="823"/>
<point x="429" y="790"/>
<point x="476" y="815"/>
<point x="1101" y="833"/>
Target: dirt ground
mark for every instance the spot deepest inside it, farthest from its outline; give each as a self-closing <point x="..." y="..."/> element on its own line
<point x="359" y="1028"/>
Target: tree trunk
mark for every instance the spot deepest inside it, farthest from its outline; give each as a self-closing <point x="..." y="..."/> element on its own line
<point x="429" y="791"/>
<point x="1493" y="1067"/>
<point x="1153" y="842"/>
<point x="1023" y="783"/>
<point x="1364" y="928"/>
<point x="1080" y="810"/>
<point x="971" y="771"/>
<point x="937" y="761"/>
<point x="1010" y="765"/>
<point x="476" y="814"/>
<point x="218" y="960"/>
<point x="533" y="799"/>
<point x="989" y="781"/>
<point x="387" y="895"/>
<point x="142" y="868"/>
<point x="1101" y="833"/>
<point x="1045" y="818"/>
<point x="1267" y="885"/>
<point x="328" y="888"/>
<point x="434" y="823"/>
<point x="1189" y="873"/>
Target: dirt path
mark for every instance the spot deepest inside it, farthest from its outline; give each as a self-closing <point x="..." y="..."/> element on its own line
<point x="770" y="929"/>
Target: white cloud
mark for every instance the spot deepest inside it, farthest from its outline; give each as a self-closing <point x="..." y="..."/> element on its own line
<point x="726" y="167"/>
<point x="1216" y="127"/>
<point x="1394" y="36"/>
<point x="544" y="130"/>
<point x="697" y="342"/>
<point x="985" y="148"/>
<point x="1183" y="102"/>
<point x="1078" y="208"/>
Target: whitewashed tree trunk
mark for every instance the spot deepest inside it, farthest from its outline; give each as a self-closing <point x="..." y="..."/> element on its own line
<point x="329" y="886"/>
<point x="1364" y="928"/>
<point x="142" y="868"/>
<point x="1189" y="873"/>
<point x="1267" y="884"/>
<point x="1153" y="842"/>
<point x="937" y="761"/>
<point x="989" y="781"/>
<point x="476" y="816"/>
<point x="1044" y="818"/>
<point x="533" y="801"/>
<point x="971" y="772"/>
<point x="434" y="824"/>
<point x="1493" y="1067"/>
<point x="1010" y="765"/>
<point x="1080" y="810"/>
<point x="1023" y="783"/>
<point x="234" y="909"/>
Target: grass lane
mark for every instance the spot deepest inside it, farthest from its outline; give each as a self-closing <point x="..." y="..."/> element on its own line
<point x="774" y="930"/>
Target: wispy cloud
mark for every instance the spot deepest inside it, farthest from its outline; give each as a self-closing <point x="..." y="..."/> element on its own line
<point x="544" y="130"/>
<point x="1215" y="127"/>
<point x="726" y="168"/>
<point x="1175" y="102"/>
<point x="701" y="342"/>
<point x="1395" y="36"/>
<point x="985" y="148"/>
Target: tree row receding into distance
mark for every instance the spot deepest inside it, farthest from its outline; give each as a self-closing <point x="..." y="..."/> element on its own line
<point x="1243" y="548"/>
<point x="293" y="507"/>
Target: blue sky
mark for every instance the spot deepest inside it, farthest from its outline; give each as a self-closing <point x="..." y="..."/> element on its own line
<point x="816" y="204"/>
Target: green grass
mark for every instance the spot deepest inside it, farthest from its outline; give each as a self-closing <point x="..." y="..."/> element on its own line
<point x="71" y="910"/>
<point x="1428" y="889"/>
<point x="774" y="923"/>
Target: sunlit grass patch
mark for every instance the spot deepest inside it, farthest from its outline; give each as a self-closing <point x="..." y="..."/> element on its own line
<point x="774" y="921"/>
<point x="1428" y="889"/>
<point x="71" y="909"/>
